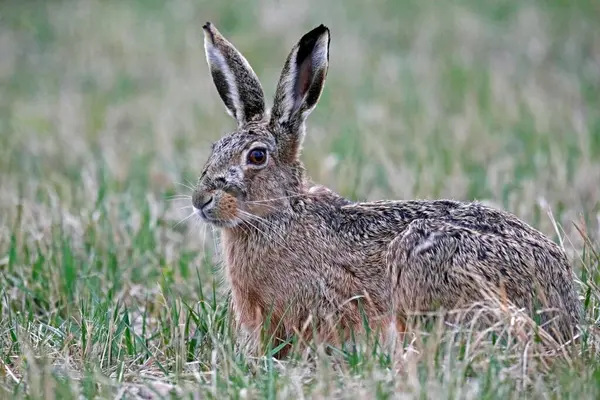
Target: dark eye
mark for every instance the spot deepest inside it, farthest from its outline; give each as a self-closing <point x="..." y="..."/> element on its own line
<point x="257" y="156"/>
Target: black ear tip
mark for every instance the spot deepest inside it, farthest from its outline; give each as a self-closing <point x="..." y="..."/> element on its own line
<point x="317" y="32"/>
<point x="209" y="31"/>
<point x="308" y="41"/>
<point x="320" y="30"/>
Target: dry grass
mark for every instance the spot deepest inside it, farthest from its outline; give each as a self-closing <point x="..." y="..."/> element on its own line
<point x="105" y="106"/>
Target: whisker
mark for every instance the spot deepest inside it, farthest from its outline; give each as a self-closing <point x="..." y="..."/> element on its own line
<point x="192" y="186"/>
<point x="185" y="186"/>
<point x="275" y="208"/>
<point x="215" y="240"/>
<point x="268" y="225"/>
<point x="254" y="226"/>
<point x="275" y="199"/>
<point x="185" y="219"/>
<point x="243" y="227"/>
<point x="297" y="193"/>
<point x="256" y="218"/>
<point x="179" y="199"/>
<point x="204" y="238"/>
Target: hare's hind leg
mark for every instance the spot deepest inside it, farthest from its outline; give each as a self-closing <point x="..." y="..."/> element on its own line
<point x="437" y="265"/>
<point x="420" y="262"/>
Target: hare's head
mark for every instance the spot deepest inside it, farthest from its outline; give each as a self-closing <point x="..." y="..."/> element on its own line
<point x="256" y="170"/>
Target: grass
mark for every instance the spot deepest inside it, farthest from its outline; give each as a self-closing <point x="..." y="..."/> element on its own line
<point x="107" y="111"/>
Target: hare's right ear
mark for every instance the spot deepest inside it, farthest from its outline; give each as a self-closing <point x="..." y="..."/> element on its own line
<point x="235" y="80"/>
<point x="299" y="89"/>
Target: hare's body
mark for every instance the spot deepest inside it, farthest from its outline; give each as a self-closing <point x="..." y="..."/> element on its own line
<point x="299" y="256"/>
<point x="439" y="253"/>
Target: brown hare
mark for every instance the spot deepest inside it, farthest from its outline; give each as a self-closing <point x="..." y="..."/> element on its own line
<point x="301" y="256"/>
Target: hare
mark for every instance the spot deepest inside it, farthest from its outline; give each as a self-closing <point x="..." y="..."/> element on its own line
<point x="302" y="259"/>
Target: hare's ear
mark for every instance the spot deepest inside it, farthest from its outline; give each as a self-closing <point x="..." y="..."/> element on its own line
<point x="235" y="80"/>
<point x="299" y="89"/>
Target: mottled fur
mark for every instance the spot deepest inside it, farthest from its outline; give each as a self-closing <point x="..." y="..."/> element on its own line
<point x="301" y="255"/>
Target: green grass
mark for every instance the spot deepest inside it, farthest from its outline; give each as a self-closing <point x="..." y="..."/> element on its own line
<point x="107" y="111"/>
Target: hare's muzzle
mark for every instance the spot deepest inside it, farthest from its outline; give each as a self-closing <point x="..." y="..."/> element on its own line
<point x="216" y="207"/>
<point x="201" y="200"/>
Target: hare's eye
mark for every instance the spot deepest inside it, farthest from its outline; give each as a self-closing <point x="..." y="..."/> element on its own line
<point x="257" y="156"/>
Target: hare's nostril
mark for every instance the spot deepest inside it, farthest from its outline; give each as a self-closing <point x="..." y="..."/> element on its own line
<point x="207" y="202"/>
<point x="201" y="200"/>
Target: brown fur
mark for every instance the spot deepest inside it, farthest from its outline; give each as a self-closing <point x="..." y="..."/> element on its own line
<point x="302" y="256"/>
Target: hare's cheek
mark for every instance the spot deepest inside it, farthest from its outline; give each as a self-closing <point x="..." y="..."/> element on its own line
<point x="228" y="209"/>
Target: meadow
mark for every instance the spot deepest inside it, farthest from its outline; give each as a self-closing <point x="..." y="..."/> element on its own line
<point x="107" y="113"/>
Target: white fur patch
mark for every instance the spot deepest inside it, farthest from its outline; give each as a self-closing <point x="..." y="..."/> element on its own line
<point x="288" y="83"/>
<point x="216" y="60"/>
<point x="319" y="56"/>
<point x="428" y="243"/>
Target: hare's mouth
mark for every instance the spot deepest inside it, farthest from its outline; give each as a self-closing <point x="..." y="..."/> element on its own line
<point x="217" y="208"/>
<point x="218" y="222"/>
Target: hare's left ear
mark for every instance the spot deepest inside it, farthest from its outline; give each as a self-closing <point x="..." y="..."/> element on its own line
<point x="235" y="80"/>
<point x="299" y="89"/>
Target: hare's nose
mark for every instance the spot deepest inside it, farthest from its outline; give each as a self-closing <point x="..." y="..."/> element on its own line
<point x="201" y="200"/>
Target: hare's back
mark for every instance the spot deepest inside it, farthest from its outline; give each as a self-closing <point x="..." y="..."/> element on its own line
<point x="471" y="215"/>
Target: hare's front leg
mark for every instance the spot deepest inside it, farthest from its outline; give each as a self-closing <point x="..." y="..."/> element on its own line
<point x="258" y="327"/>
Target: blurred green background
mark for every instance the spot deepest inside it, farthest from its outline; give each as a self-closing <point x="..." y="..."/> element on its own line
<point x="105" y="106"/>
